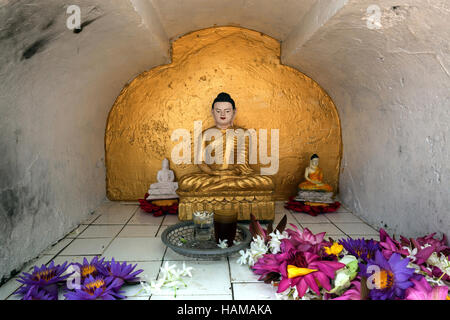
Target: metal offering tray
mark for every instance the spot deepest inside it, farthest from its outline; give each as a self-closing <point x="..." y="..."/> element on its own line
<point x="180" y="238"/>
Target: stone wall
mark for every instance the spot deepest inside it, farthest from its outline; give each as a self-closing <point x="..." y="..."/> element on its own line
<point x="57" y="88"/>
<point x="391" y="86"/>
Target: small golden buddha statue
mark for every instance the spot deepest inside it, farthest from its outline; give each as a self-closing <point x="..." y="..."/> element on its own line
<point x="225" y="166"/>
<point x="314" y="177"/>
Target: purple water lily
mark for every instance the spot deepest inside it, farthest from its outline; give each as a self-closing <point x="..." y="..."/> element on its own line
<point x="123" y="273"/>
<point x="44" y="278"/>
<point x="97" y="288"/>
<point x="393" y="276"/>
<point x="93" y="268"/>
<point x="38" y="294"/>
<point x="360" y="248"/>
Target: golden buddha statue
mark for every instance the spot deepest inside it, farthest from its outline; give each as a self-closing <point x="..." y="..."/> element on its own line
<point x="314" y="177"/>
<point x="225" y="176"/>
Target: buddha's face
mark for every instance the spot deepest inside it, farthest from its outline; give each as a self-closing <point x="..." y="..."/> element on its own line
<point x="315" y="162"/>
<point x="223" y="114"/>
<point x="165" y="164"/>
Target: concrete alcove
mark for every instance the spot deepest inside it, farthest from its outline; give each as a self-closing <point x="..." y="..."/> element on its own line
<point x="387" y="72"/>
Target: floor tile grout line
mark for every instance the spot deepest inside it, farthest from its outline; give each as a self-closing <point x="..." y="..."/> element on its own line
<point x="362" y="222"/>
<point x="231" y="282"/>
<point x="339" y="228"/>
<point x="65" y="237"/>
<point x="108" y="224"/>
<point x="160" y="226"/>
<point x="375" y="230"/>
<point x="115" y="237"/>
<point x="64" y="248"/>
<point x="99" y="215"/>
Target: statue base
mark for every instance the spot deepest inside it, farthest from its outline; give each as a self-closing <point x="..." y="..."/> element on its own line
<point x="299" y="206"/>
<point x="258" y="203"/>
<point x="152" y="197"/>
<point x="315" y="197"/>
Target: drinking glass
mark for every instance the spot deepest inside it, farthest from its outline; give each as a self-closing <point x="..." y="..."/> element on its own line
<point x="203" y="223"/>
<point x="225" y="225"/>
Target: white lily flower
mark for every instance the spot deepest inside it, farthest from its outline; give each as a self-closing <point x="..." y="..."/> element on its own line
<point x="288" y="294"/>
<point x="411" y="253"/>
<point x="251" y="260"/>
<point x="223" y="244"/>
<point x="171" y="277"/>
<point x="244" y="257"/>
<point x="144" y="284"/>
<point x="275" y="241"/>
<point x="441" y="262"/>
<point x="309" y="295"/>
<point x="187" y="271"/>
<point x="157" y="285"/>
<point x="257" y="249"/>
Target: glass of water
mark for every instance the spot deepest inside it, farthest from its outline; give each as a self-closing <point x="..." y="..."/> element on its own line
<point x="203" y="225"/>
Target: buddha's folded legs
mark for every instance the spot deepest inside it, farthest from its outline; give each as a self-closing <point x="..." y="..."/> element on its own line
<point x="199" y="182"/>
<point x="306" y="185"/>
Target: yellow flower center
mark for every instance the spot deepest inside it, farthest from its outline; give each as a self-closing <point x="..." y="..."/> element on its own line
<point x="294" y="271"/>
<point x="385" y="278"/>
<point x="44" y="275"/>
<point x="91" y="287"/>
<point x="88" y="270"/>
<point x="335" y="249"/>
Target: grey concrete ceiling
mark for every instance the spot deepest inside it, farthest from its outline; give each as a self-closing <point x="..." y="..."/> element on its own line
<point x="275" y="18"/>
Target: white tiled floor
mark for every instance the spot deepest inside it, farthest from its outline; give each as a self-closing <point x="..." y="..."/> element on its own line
<point x="100" y="231"/>
<point x="123" y="231"/>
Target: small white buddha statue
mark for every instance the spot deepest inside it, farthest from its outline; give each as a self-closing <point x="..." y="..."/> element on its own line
<point x="166" y="186"/>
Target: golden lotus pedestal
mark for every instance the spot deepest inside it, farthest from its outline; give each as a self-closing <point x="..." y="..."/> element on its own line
<point x="260" y="203"/>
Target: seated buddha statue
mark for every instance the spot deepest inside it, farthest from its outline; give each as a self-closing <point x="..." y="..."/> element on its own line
<point x="314" y="177"/>
<point x="224" y="164"/>
<point x="166" y="186"/>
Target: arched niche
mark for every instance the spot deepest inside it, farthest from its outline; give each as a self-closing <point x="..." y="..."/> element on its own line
<point x="268" y="95"/>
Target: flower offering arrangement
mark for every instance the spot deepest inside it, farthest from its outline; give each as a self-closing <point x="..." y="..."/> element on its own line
<point x="305" y="266"/>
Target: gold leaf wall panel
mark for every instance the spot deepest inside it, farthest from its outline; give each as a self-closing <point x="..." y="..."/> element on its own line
<point x="268" y="95"/>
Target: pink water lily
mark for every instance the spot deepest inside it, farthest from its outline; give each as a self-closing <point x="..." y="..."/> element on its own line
<point x="270" y="263"/>
<point x="257" y="230"/>
<point x="390" y="246"/>
<point x="306" y="240"/>
<point x="439" y="245"/>
<point x="424" y="248"/>
<point x="422" y="290"/>
<point x="315" y="272"/>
